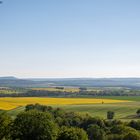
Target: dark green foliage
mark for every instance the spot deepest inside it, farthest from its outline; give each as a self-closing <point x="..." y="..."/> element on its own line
<point x="121" y="129"/>
<point x="58" y="112"/>
<point x="5" y="122"/>
<point x="95" y="121"/>
<point x="34" y="125"/>
<point x="72" y="119"/>
<point x="112" y="123"/>
<point x="96" y="133"/>
<point x="59" y="87"/>
<point x="138" y="112"/>
<point x="132" y="136"/>
<point x="39" y="122"/>
<point x="38" y="107"/>
<point x="61" y="117"/>
<point x="115" y="137"/>
<point x="72" y="133"/>
<point x="110" y="115"/>
<point x="135" y="124"/>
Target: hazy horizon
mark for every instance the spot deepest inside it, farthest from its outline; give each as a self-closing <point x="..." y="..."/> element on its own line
<point x="67" y="39"/>
<point x="69" y="77"/>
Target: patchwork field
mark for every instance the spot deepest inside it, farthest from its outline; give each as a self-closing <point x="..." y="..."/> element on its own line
<point x="7" y="91"/>
<point x="8" y="103"/>
<point x="123" y="111"/>
<point x="58" y="89"/>
<point x="124" y="107"/>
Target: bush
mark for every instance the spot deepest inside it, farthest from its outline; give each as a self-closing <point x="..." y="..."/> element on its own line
<point x="132" y="136"/>
<point x="110" y="115"/>
<point x="34" y="125"/>
<point x="5" y="122"/>
<point x="72" y="133"/>
<point x="138" y="112"/>
<point x="95" y="133"/>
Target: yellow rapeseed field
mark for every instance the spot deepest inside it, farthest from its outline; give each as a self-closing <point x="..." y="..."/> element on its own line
<point x="8" y="103"/>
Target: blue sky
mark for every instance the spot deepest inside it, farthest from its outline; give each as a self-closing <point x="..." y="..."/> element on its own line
<point x="70" y="38"/>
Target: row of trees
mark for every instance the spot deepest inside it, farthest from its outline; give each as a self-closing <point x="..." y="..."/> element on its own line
<point x="39" y="122"/>
<point x="82" y="93"/>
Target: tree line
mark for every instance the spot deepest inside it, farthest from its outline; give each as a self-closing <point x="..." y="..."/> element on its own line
<point x="40" y="122"/>
<point x="81" y="93"/>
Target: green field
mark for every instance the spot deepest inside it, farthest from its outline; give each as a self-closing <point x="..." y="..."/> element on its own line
<point x="12" y="90"/>
<point x="130" y="98"/>
<point x="123" y="111"/>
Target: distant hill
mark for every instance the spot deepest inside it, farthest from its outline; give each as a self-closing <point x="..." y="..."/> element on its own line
<point x="8" y="78"/>
<point x="78" y="82"/>
<point x="15" y="82"/>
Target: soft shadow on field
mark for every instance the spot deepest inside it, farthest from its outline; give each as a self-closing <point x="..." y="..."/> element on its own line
<point x="123" y="111"/>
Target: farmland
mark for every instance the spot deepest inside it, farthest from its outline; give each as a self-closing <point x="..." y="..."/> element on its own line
<point x="124" y="109"/>
<point x="8" y="91"/>
<point x="94" y="101"/>
<point x="11" y="103"/>
<point x="72" y="89"/>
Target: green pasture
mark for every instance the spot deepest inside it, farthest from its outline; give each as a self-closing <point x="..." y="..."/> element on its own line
<point x="123" y="111"/>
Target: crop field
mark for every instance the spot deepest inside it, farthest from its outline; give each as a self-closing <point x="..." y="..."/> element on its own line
<point x="7" y="91"/>
<point x="11" y="91"/>
<point x="124" y="111"/>
<point x="57" y="89"/>
<point x="124" y="107"/>
<point x="8" y="103"/>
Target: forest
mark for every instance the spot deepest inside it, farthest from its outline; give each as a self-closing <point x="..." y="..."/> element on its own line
<point x="40" y="122"/>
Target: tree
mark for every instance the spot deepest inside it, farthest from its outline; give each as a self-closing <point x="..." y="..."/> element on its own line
<point x="114" y="137"/>
<point x="95" y="121"/>
<point x="5" y="122"/>
<point x="72" y="133"/>
<point x="110" y="115"/>
<point x="122" y="129"/>
<point x="95" y="133"/>
<point x="34" y="125"/>
<point x="82" y="89"/>
<point x="135" y="124"/>
<point x="38" y="107"/>
<point x="138" y="112"/>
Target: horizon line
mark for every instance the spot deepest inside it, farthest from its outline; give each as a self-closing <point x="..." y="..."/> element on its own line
<point x="109" y="77"/>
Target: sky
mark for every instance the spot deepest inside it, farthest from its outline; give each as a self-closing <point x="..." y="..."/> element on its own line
<point x="70" y="38"/>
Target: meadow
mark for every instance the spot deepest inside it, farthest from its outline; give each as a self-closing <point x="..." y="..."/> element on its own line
<point x="125" y="107"/>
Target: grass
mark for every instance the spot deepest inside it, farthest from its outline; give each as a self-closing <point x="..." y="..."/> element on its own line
<point x="124" y="111"/>
<point x="130" y="98"/>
